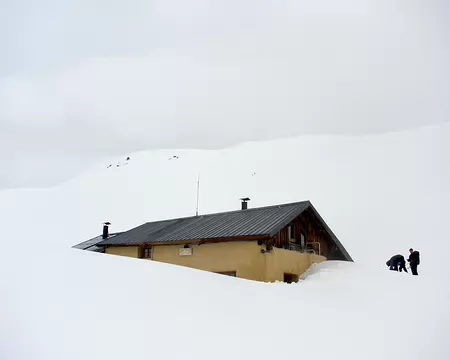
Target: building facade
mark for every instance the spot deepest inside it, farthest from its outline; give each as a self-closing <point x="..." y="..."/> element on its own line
<point x="274" y="243"/>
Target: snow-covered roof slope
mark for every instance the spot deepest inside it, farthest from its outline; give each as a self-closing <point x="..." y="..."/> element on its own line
<point x="380" y="194"/>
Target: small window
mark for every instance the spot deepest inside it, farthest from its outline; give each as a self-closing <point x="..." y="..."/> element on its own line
<point x="228" y="273"/>
<point x="291" y="232"/>
<point x="147" y="253"/>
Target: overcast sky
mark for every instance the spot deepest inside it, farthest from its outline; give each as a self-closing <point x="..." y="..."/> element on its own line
<point x="87" y="78"/>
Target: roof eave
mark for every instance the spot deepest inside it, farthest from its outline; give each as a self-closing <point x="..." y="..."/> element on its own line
<point x="195" y="241"/>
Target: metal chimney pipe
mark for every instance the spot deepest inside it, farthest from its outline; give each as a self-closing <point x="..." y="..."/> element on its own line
<point x="244" y="203"/>
<point x="105" y="230"/>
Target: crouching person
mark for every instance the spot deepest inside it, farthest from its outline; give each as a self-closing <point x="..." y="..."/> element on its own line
<point x="397" y="263"/>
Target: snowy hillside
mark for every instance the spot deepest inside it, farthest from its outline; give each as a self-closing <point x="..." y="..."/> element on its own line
<point x="380" y="194"/>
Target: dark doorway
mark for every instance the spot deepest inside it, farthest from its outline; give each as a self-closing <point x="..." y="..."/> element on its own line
<point x="290" y="278"/>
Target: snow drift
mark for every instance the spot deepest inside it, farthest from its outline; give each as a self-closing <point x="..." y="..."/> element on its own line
<point x="380" y="195"/>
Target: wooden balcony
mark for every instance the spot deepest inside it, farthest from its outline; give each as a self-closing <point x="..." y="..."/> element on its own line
<point x="309" y="249"/>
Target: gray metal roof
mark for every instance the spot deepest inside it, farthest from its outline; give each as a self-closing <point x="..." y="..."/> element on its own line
<point x="251" y="222"/>
<point x="263" y="221"/>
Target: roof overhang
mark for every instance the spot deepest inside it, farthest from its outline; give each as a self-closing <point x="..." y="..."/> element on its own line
<point x="198" y="241"/>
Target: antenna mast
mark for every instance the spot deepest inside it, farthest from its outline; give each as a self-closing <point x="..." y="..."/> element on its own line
<point x="198" y="192"/>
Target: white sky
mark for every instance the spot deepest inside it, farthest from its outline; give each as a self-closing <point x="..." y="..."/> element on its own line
<point x="83" y="79"/>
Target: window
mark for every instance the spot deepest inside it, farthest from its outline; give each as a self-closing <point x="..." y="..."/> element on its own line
<point x="147" y="253"/>
<point x="291" y="232"/>
<point x="228" y="273"/>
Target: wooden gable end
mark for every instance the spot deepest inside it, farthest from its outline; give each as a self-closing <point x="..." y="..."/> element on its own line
<point x="306" y="233"/>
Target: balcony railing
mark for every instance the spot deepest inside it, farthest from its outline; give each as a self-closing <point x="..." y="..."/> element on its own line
<point x="306" y="250"/>
<point x="295" y="247"/>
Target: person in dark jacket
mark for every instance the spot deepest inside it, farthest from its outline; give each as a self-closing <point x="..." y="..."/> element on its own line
<point x="397" y="263"/>
<point x="414" y="260"/>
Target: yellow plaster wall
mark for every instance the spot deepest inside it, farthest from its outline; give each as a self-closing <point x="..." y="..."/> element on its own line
<point x="243" y="257"/>
<point x="280" y="261"/>
<point x="130" y="251"/>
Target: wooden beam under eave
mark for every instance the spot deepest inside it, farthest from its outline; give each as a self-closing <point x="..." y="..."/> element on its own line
<point x="199" y="241"/>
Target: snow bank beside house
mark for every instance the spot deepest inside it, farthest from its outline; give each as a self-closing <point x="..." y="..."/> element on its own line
<point x="379" y="194"/>
<point x="92" y="306"/>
